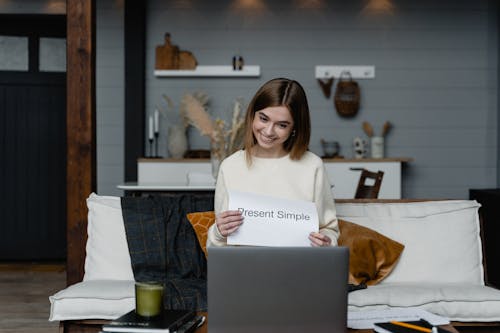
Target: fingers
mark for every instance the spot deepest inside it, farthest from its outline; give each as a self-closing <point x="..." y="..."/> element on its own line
<point x="318" y="239"/>
<point x="228" y="222"/>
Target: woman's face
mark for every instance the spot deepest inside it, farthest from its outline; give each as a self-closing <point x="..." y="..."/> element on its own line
<point x="271" y="127"/>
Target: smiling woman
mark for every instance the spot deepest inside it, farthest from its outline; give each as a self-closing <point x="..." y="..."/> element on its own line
<point x="277" y="133"/>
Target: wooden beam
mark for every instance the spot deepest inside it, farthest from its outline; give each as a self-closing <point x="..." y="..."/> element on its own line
<point x="81" y="133"/>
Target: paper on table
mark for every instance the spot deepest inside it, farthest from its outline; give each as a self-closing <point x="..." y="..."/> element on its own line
<point x="366" y="319"/>
<point x="271" y="221"/>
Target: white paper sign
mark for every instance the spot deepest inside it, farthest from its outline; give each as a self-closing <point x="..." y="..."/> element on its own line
<point x="271" y="221"/>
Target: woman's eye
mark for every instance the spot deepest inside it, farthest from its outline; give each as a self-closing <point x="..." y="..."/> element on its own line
<point x="262" y="118"/>
<point x="283" y="126"/>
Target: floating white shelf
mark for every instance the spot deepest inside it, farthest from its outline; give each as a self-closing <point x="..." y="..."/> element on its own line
<point x="211" y="71"/>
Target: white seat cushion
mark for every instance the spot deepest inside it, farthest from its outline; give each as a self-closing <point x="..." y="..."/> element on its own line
<point x="93" y="299"/>
<point x="458" y="302"/>
<point x="441" y="238"/>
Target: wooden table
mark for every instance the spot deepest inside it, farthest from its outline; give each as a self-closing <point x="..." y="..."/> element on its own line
<point x="204" y="328"/>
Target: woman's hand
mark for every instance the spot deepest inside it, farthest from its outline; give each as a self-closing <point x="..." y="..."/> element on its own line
<point x="228" y="222"/>
<point x="318" y="239"/>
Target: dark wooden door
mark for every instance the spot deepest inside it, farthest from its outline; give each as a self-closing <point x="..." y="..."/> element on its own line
<point x="32" y="146"/>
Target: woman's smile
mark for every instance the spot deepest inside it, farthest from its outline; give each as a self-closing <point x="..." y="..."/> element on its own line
<point x="271" y="127"/>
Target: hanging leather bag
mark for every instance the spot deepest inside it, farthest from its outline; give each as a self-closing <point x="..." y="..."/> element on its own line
<point x="347" y="96"/>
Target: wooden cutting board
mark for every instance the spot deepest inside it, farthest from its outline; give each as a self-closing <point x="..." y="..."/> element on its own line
<point x="169" y="56"/>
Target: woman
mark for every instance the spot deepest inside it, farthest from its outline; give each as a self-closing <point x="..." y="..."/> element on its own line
<point x="275" y="161"/>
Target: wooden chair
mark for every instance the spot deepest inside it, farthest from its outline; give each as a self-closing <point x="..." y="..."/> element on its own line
<point x="368" y="191"/>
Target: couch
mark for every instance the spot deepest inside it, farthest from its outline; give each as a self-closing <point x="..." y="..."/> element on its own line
<point x="440" y="268"/>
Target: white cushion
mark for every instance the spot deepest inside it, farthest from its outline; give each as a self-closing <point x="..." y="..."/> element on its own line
<point x="458" y="302"/>
<point x="441" y="238"/>
<point x="97" y="299"/>
<point x="107" y="249"/>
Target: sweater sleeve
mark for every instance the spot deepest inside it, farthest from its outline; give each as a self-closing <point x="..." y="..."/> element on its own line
<point x="327" y="214"/>
<point x="220" y="204"/>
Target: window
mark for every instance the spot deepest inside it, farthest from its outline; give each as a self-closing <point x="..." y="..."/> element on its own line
<point x="52" y="55"/>
<point x="14" y="53"/>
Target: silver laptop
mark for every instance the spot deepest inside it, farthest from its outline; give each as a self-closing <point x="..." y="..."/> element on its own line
<point x="277" y="289"/>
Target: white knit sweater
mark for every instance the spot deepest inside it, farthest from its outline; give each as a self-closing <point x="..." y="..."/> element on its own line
<point x="303" y="179"/>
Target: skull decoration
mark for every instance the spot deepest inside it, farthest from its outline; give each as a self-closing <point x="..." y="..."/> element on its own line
<point x="359" y="146"/>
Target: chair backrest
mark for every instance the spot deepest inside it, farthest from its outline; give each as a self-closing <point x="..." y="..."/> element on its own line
<point x="369" y="191"/>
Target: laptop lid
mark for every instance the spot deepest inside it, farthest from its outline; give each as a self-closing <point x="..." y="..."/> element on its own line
<point x="277" y="289"/>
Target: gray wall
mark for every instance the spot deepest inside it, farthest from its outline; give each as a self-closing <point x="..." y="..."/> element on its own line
<point x="436" y="75"/>
<point x="110" y="97"/>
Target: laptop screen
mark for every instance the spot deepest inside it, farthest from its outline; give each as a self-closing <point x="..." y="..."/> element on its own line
<point x="277" y="289"/>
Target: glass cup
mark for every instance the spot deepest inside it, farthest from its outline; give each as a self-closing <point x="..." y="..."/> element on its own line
<point x="148" y="298"/>
<point x="330" y="148"/>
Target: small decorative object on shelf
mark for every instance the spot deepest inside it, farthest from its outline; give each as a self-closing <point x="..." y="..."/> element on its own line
<point x="156" y="131"/>
<point x="377" y="142"/>
<point x="330" y="148"/>
<point x="169" y="56"/>
<point x="359" y="146"/>
<point x="238" y="63"/>
<point x="216" y="157"/>
<point x="377" y="146"/>
<point x="151" y="136"/>
<point x="177" y="141"/>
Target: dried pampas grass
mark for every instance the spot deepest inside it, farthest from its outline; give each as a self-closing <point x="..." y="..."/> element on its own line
<point x="224" y="140"/>
<point x="193" y="111"/>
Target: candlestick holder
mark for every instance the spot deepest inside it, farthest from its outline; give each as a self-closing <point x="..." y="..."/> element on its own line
<point x="157" y="134"/>
<point x="150" y="147"/>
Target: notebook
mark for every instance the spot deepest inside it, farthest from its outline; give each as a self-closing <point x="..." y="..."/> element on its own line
<point x="277" y="289"/>
<point x="167" y="321"/>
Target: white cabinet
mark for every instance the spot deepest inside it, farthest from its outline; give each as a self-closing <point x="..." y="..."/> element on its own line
<point x="344" y="179"/>
<point x="196" y="174"/>
<point x="171" y="172"/>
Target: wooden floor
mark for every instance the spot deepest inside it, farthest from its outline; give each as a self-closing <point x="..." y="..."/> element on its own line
<point x="24" y="296"/>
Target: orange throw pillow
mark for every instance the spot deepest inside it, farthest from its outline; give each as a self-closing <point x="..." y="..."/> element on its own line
<point x="372" y="256"/>
<point x="201" y="221"/>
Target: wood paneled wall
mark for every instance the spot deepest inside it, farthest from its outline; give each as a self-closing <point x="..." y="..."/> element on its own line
<point x="436" y="75"/>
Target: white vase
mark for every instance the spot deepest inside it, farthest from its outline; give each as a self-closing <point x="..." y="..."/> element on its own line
<point x="217" y="154"/>
<point x="177" y="141"/>
<point x="377" y="146"/>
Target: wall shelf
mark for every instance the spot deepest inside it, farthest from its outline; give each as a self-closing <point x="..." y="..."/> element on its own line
<point x="211" y="71"/>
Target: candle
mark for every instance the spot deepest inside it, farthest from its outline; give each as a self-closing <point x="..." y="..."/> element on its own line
<point x="157" y="121"/>
<point x="150" y="128"/>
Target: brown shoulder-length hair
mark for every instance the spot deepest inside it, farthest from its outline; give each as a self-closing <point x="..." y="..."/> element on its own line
<point x="281" y="92"/>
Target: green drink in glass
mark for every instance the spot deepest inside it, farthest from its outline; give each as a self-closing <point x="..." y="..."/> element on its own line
<point x="148" y="298"/>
